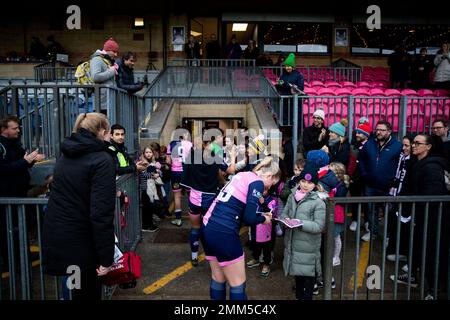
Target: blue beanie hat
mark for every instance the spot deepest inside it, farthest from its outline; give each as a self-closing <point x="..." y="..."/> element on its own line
<point x="339" y="127"/>
<point x="319" y="157"/>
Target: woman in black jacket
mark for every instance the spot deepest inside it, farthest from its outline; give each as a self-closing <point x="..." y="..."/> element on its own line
<point x="399" y="189"/>
<point x="427" y="178"/>
<point x="79" y="223"/>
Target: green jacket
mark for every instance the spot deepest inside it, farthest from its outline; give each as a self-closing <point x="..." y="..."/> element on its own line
<point x="302" y="245"/>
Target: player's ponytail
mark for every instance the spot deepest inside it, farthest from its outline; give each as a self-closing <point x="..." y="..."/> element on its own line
<point x="268" y="165"/>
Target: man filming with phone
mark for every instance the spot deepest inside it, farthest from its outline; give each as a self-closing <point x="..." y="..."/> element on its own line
<point x="15" y="163"/>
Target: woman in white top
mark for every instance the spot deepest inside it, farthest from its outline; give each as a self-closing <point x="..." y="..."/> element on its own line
<point x="442" y="63"/>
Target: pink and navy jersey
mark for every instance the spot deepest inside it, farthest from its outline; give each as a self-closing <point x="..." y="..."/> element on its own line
<point x="178" y="150"/>
<point x="236" y="203"/>
<point x="201" y="199"/>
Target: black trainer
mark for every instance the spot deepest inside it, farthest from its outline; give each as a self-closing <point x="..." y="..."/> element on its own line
<point x="403" y="279"/>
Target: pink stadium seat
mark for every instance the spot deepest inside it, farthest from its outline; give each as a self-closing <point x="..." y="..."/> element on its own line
<point x="343" y="92"/>
<point x="360" y="92"/>
<point x="317" y="83"/>
<point x="307" y="84"/>
<point x="392" y="93"/>
<point x="377" y="92"/>
<point x="348" y="84"/>
<point x="409" y="93"/>
<point x="332" y="84"/>
<point x="326" y="92"/>
<point x="310" y="91"/>
<point x="339" y="107"/>
<point x="360" y="107"/>
<point x="425" y="93"/>
<point x="362" y="84"/>
<point x="417" y="123"/>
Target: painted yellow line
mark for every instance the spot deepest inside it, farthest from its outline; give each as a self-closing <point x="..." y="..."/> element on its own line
<point x="33" y="264"/>
<point x="160" y="283"/>
<point x="362" y="266"/>
<point x="34" y="249"/>
<point x="171" y="276"/>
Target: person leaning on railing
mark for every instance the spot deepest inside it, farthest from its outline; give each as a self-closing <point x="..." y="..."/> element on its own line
<point x="79" y="222"/>
<point x="125" y="74"/>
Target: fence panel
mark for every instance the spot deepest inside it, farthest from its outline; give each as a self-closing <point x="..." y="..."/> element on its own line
<point x="413" y="231"/>
<point x="22" y="226"/>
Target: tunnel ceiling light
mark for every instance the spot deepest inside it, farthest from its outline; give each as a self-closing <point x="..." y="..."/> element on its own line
<point x="240" y="26"/>
<point x="138" y="22"/>
<point x="195" y="33"/>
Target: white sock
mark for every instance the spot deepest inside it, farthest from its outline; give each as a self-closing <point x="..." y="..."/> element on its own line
<point x="194" y="255"/>
<point x="337" y="246"/>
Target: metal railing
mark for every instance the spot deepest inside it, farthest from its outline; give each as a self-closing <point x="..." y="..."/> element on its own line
<point x="427" y="248"/>
<point x="54" y="74"/>
<point x="207" y="82"/>
<point x="214" y="63"/>
<point x="323" y="74"/>
<point x="23" y="219"/>
<point x="406" y="114"/>
<point x="48" y="112"/>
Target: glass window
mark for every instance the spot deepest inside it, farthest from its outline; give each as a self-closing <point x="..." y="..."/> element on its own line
<point x="385" y="40"/>
<point x="311" y="38"/>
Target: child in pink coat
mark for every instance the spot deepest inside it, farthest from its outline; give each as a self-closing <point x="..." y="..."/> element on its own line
<point x="262" y="237"/>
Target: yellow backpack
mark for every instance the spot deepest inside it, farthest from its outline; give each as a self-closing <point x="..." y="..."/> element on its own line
<point x="83" y="72"/>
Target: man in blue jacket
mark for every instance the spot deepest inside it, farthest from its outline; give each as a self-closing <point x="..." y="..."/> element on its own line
<point x="377" y="164"/>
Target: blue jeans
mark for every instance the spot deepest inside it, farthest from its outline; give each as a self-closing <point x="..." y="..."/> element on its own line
<point x="372" y="214"/>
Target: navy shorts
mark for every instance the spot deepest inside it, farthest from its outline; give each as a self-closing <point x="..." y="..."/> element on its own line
<point x="200" y="206"/>
<point x="225" y="248"/>
<point x="175" y="180"/>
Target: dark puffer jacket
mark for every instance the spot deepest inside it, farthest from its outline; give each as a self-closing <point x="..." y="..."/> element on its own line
<point x="79" y="223"/>
<point x="15" y="178"/>
<point x="125" y="78"/>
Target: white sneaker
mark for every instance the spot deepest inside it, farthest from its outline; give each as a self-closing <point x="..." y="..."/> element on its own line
<point x="405" y="268"/>
<point x="336" y="261"/>
<point x="391" y="257"/>
<point x="353" y="226"/>
<point x="366" y="237"/>
<point x="176" y="222"/>
<point x="429" y="297"/>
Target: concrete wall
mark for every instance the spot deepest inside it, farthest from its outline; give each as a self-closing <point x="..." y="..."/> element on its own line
<point x="80" y="44"/>
<point x="15" y="35"/>
<point x="172" y="122"/>
<point x="17" y="70"/>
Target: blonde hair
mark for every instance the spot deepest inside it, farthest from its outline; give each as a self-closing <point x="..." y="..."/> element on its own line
<point x="268" y="165"/>
<point x="339" y="169"/>
<point x="92" y="122"/>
